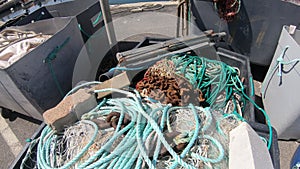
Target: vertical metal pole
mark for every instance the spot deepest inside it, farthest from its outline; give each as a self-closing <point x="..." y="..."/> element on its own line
<point x="187" y="19"/>
<point x="178" y="21"/>
<point x="179" y="17"/>
<point x="182" y="18"/>
<point x="108" y="22"/>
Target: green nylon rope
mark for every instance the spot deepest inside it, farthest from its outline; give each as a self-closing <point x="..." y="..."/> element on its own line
<point x="213" y="77"/>
<point x="49" y="59"/>
<point x="94" y="23"/>
<point x="97" y="19"/>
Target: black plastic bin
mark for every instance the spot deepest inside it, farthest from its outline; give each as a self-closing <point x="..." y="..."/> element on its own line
<point x="31" y="161"/>
<point x="254" y="31"/>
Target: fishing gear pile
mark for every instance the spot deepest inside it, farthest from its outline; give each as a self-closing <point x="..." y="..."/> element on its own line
<point x="179" y="116"/>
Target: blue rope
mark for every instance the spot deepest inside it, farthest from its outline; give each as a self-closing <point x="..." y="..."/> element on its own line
<point x="131" y="151"/>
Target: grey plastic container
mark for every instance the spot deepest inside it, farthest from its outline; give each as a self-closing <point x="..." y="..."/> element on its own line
<point x="27" y="86"/>
<point x="280" y="94"/>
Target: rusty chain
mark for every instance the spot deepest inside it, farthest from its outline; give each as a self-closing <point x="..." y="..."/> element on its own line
<point x="162" y="84"/>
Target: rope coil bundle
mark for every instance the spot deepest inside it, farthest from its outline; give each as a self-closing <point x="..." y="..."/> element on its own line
<point x="155" y="135"/>
<point x="216" y="79"/>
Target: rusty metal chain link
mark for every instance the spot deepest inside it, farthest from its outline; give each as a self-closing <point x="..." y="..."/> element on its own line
<point x="162" y="84"/>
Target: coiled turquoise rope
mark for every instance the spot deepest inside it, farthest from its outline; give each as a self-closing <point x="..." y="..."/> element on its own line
<point x="47" y="136"/>
<point x="212" y="77"/>
<point x="143" y="122"/>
